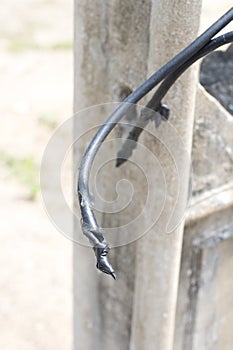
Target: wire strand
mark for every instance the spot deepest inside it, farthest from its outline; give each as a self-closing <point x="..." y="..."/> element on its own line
<point x="89" y="225"/>
<point x="128" y="147"/>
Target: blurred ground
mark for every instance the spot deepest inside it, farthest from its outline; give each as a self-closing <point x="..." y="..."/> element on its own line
<point x="36" y="95"/>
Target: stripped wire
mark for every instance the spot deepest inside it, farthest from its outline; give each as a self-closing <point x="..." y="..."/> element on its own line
<point x="168" y="74"/>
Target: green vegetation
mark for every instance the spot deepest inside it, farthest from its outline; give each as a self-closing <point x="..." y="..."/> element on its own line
<point x="34" y="31"/>
<point x="20" y="45"/>
<point x="63" y="45"/>
<point x="48" y="120"/>
<point x="25" y="170"/>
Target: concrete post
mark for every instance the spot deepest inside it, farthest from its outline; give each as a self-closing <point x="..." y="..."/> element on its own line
<point x="173" y="26"/>
<point x="117" y="45"/>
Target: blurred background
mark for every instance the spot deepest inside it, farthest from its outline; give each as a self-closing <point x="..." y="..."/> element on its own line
<point x="36" y="96"/>
<point x="36" y="71"/>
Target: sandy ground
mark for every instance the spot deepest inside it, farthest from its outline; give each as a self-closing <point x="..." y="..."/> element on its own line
<point x="36" y="95"/>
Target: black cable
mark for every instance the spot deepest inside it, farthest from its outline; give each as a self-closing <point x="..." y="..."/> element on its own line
<point x="155" y="102"/>
<point x="89" y="225"/>
<point x="171" y="78"/>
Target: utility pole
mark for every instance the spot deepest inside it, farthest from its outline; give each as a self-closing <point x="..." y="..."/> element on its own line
<point x="118" y="44"/>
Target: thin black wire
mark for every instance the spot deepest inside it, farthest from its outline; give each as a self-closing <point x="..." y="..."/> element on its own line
<point x="171" y="78"/>
<point x="90" y="227"/>
<point x="127" y="148"/>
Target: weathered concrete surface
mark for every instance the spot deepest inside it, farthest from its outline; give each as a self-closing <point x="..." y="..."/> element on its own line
<point x="212" y="153"/>
<point x="214" y="315"/>
<point x="204" y="314"/>
<point x="158" y="254"/>
<point x="118" y="44"/>
<point x="111" y="58"/>
<point x="217" y="78"/>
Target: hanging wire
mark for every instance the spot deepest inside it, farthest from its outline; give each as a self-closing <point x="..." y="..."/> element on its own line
<point x="155" y="103"/>
<point x="168" y="73"/>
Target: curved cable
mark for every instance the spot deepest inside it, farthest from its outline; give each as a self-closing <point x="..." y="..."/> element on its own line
<point x="155" y="102"/>
<point x="90" y="226"/>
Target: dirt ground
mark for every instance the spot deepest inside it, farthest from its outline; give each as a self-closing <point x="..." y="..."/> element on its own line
<point x="36" y="95"/>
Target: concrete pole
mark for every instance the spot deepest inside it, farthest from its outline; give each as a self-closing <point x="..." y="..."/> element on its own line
<point x="173" y="26"/>
<point x="117" y="45"/>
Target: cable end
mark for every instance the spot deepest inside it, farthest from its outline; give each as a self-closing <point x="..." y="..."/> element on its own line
<point x="120" y="161"/>
<point x="102" y="261"/>
<point x="113" y="275"/>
